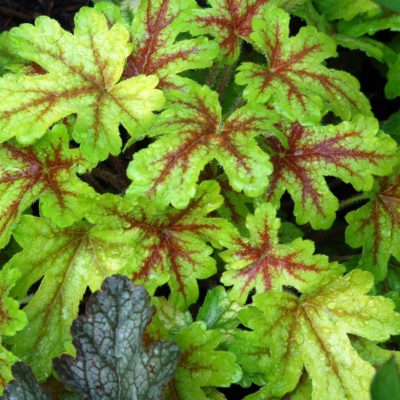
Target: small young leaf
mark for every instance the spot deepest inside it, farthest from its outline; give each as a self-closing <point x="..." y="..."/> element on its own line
<point x="386" y="382"/>
<point x="79" y="77"/>
<point x="111" y="361"/>
<point x="45" y="171"/>
<point x="295" y="78"/>
<point x="262" y="263"/>
<point x="351" y="151"/>
<point x="311" y="332"/>
<point x="25" y="385"/>
<point x="218" y="311"/>
<point x="66" y="262"/>
<point x="228" y="21"/>
<point x="192" y="134"/>
<point x="155" y="27"/>
<point x="201" y="364"/>
<point x="171" y="246"/>
<point x="376" y="226"/>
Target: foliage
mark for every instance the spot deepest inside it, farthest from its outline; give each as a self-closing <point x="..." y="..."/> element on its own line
<point x="234" y="158"/>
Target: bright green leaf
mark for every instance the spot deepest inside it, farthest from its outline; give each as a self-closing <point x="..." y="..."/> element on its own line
<point x="295" y="78"/>
<point x="82" y="78"/>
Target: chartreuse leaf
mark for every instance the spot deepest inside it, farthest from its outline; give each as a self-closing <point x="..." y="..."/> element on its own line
<point x="12" y="320"/>
<point x="262" y="263"/>
<point x="228" y="21"/>
<point x="192" y="133"/>
<point x="344" y="9"/>
<point x="156" y="50"/>
<point x="295" y="79"/>
<point x="351" y="151"/>
<point x="310" y="332"/>
<point x="66" y="262"/>
<point x="171" y="246"/>
<point x="82" y="78"/>
<point x="24" y="386"/>
<point x="111" y="361"/>
<point x="376" y="226"/>
<point x="45" y="171"/>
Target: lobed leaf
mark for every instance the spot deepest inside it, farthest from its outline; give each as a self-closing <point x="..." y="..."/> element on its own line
<point x="376" y="226"/>
<point x="111" y="360"/>
<point x="351" y="151"/>
<point x="295" y="79"/>
<point x="65" y="262"/>
<point x="192" y="133"/>
<point x="171" y="246"/>
<point x="79" y="78"/>
<point x="45" y="171"/>
<point x="311" y="332"/>
<point x="228" y="21"/>
<point x="156" y="50"/>
<point x="262" y="263"/>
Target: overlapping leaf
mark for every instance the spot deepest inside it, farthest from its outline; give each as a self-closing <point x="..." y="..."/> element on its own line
<point x="12" y="320"/>
<point x="155" y="27"/>
<point x="262" y="263"/>
<point x="112" y="362"/>
<point x="202" y="366"/>
<point x="228" y="21"/>
<point x="171" y="246"/>
<point x="295" y="78"/>
<point x="376" y="226"/>
<point x="66" y="262"/>
<point x="351" y="151"/>
<point x="311" y="332"/>
<point x="45" y="171"/>
<point x="192" y="134"/>
<point x="82" y="79"/>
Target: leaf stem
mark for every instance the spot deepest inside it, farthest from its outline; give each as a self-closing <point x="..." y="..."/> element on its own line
<point x="351" y="200"/>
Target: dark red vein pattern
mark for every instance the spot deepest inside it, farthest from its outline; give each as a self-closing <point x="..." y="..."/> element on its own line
<point x="156" y="51"/>
<point x="45" y="171"/>
<point x="172" y="245"/>
<point x="261" y="263"/>
<point x="193" y="133"/>
<point x="348" y="151"/>
<point x="295" y="77"/>
<point x="376" y="226"/>
<point x="65" y="84"/>
<point x="228" y="21"/>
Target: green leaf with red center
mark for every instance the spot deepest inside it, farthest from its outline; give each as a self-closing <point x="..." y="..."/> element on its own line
<point x="295" y="79"/>
<point x="46" y="171"/>
<point x="155" y="28"/>
<point x="192" y="133"/>
<point x="171" y="246"/>
<point x="262" y="263"/>
<point x="66" y="261"/>
<point x="350" y="151"/>
<point x="228" y="21"/>
<point x="376" y="226"/>
<point x="12" y="320"/>
<point x="80" y="78"/>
